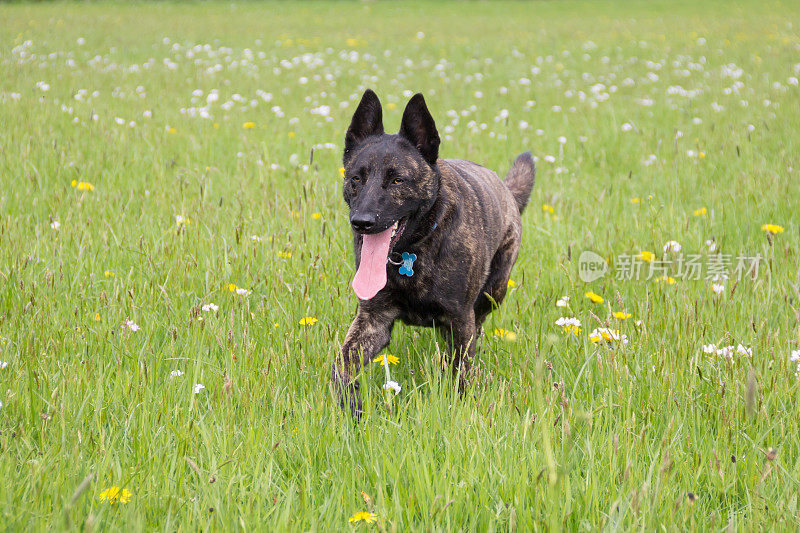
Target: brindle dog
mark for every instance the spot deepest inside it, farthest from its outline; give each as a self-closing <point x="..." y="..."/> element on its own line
<point x="434" y="239"/>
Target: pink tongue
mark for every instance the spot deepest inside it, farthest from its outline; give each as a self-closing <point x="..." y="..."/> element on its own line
<point x="371" y="275"/>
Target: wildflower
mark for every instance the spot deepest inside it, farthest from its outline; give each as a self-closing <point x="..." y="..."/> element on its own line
<point x="172" y="130"/>
<point x="594" y="298"/>
<point x="307" y="321"/>
<point x="794" y="356"/>
<point x="243" y="292"/>
<point x="700" y="212"/>
<point x="256" y="238"/>
<point x="3" y="364"/>
<point x="198" y="387"/>
<point x="644" y="255"/>
<point x="712" y="245"/>
<point x="109" y="273"/>
<point x="55" y="225"/>
<point x="665" y="279"/>
<point x="621" y="315"/>
<point x="570" y="325"/>
<point x="341" y="171"/>
<point x="176" y="373"/>
<point x="506" y="335"/>
<point x="97" y="317"/>
<point x="672" y="246"/>
<point x="635" y="200"/>
<point x="131" y="325"/>
<point x="182" y="220"/>
<point x="210" y="307"/>
<point x="249" y="125"/>
<point x="511" y="283"/>
<point x="114" y="495"/>
<point x="548" y="208"/>
<point x="772" y="229"/>
<point x="610" y="336"/>
<point x="82" y="185"/>
<point x="718" y="288"/>
<point x="386" y="359"/>
<point x="316" y="216"/>
<point x="364" y="516"/>
<point x="284" y="255"/>
<point x="709" y="348"/>
<point x="563" y="302"/>
<point x="392" y="385"/>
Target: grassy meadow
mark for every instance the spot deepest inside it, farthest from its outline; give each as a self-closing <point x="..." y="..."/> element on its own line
<point x="175" y="267"/>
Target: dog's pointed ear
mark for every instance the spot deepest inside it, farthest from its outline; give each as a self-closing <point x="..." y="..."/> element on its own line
<point x="419" y="128"/>
<point x="367" y="121"/>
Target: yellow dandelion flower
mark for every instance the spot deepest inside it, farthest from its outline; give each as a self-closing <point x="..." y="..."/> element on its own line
<point x="644" y="255"/>
<point x="74" y="183"/>
<point x="115" y="494"/>
<point x="511" y="283"/>
<point x="392" y="359"/>
<point x="364" y="516"/>
<point x="621" y="315"/>
<point x="308" y="321"/>
<point x="292" y="135"/>
<point x="700" y="212"/>
<point x="341" y="171"/>
<point x="316" y="216"/>
<point x="285" y="255"/>
<point x="573" y="329"/>
<point x="635" y="200"/>
<point x="548" y="208"/>
<point x="249" y="125"/>
<point x="232" y="287"/>
<point x="774" y="229"/>
<point x="109" y="274"/>
<point x="216" y="125"/>
<point x="701" y="155"/>
<point x="392" y="106"/>
<point x="665" y="279"/>
<point x="172" y="130"/>
<point x="594" y="298"/>
<point x="506" y="335"/>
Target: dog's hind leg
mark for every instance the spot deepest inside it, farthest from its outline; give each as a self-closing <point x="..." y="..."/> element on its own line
<point x="369" y="333"/>
<point x="460" y="335"/>
<point x="496" y="284"/>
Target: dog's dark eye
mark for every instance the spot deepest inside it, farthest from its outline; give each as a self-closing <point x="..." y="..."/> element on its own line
<point x="355" y="178"/>
<point x="397" y="181"/>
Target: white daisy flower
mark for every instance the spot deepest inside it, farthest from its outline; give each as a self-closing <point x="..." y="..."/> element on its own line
<point x="393" y="385"/>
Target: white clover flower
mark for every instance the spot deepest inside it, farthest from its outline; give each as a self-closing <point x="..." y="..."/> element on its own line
<point x="672" y="246"/>
<point x="198" y="387"/>
<point x="794" y="356"/>
<point x="176" y="373"/>
<point x="393" y="385"/>
<point x="210" y="307"/>
<point x="563" y="302"/>
<point x="131" y="325"/>
<point x="55" y="225"/>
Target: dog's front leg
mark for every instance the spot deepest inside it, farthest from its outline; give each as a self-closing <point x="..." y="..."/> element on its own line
<point x="369" y="333"/>
<point x="461" y="342"/>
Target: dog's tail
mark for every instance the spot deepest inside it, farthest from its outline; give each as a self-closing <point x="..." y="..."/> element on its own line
<point x="520" y="179"/>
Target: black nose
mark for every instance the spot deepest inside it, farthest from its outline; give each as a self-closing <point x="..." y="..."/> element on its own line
<point x="363" y="222"/>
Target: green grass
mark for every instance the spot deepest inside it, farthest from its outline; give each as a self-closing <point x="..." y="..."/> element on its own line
<point x="556" y="432"/>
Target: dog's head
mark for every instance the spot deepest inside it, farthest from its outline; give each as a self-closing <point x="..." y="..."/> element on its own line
<point x="390" y="180"/>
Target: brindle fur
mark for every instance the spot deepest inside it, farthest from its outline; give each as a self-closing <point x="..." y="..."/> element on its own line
<point x="462" y="222"/>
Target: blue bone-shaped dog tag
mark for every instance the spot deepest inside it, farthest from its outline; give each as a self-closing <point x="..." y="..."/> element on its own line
<point x="408" y="264"/>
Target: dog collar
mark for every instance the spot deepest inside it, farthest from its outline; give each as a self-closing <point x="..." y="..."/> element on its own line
<point x="406" y="263"/>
